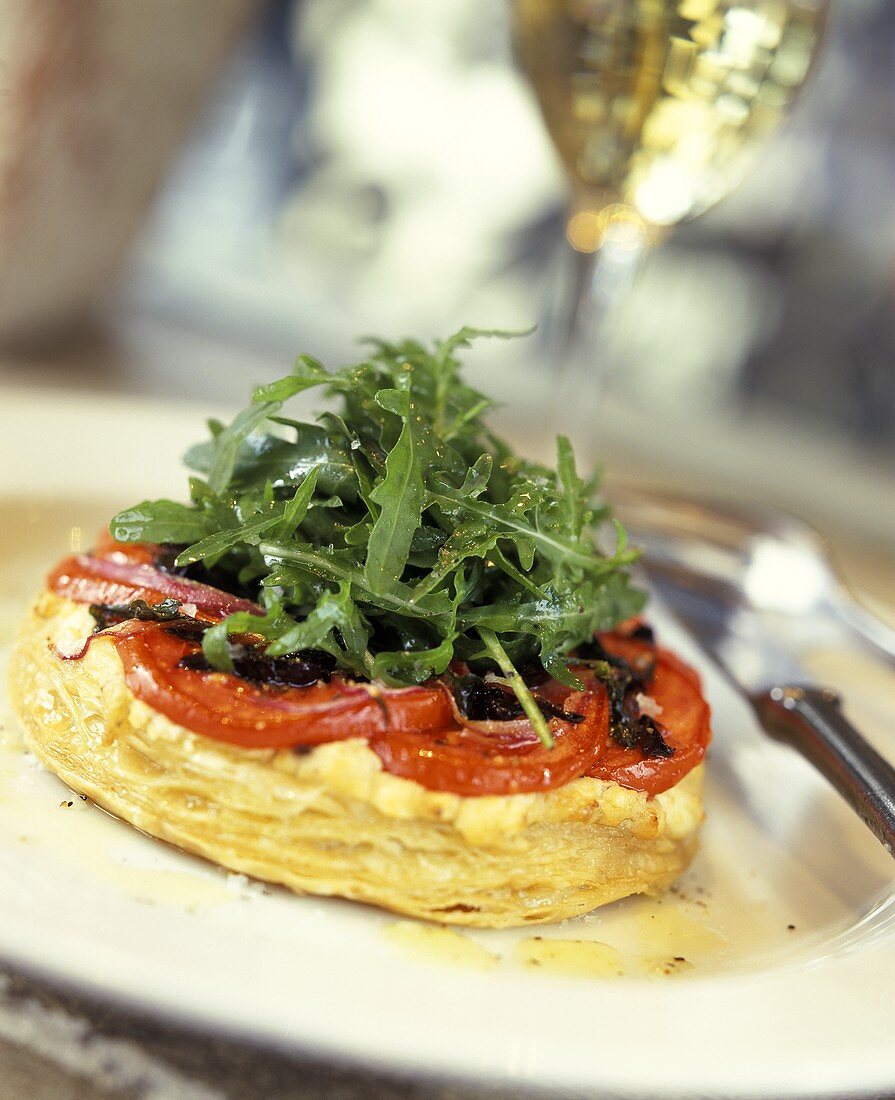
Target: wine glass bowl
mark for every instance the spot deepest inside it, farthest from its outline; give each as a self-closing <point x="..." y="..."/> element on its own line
<point x="655" y="108"/>
<point x="652" y="104"/>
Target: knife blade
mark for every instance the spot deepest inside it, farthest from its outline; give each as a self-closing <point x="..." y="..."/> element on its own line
<point x="749" y="646"/>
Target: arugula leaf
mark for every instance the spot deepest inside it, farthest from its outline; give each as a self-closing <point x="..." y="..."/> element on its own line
<point x="402" y="666"/>
<point x="399" y="496"/>
<point x="227" y="443"/>
<point x="308" y="372"/>
<point x="571" y="485"/>
<point x="470" y="539"/>
<point x="160" y="521"/>
<point x="513" y="517"/>
<point x="297" y="508"/>
<point x="215" y="545"/>
<point x="334" y="611"/>
<point x="216" y="640"/>
<point x="318" y="561"/>
<point x="520" y="688"/>
<point x="283" y="461"/>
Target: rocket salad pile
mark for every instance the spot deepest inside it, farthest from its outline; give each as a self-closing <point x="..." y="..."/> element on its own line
<point x="396" y="533"/>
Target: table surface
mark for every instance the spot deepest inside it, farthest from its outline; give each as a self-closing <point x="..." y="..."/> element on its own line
<point x="59" y="1045"/>
<point x="56" y="1045"/>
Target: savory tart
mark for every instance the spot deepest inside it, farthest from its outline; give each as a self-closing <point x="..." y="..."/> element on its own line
<point x="377" y="656"/>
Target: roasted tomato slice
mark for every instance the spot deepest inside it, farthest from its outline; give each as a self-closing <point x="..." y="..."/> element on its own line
<point x="685" y="720"/>
<point x="413" y="730"/>
<point x="464" y="761"/>
<point x="230" y="709"/>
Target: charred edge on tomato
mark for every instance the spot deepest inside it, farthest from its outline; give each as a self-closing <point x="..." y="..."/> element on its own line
<point x="188" y="630"/>
<point x="302" y="669"/>
<point x="481" y="701"/>
<point x="624" y="681"/>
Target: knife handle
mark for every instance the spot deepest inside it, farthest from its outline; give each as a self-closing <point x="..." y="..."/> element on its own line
<point x="811" y="721"/>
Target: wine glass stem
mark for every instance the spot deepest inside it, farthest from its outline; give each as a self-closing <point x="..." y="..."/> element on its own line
<point x="598" y="279"/>
<point x="599" y="274"/>
<point x="577" y="323"/>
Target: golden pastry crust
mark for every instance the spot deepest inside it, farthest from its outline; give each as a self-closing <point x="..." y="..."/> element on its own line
<point x="331" y="821"/>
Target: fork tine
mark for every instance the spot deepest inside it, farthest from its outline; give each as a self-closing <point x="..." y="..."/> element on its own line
<point x="717" y="540"/>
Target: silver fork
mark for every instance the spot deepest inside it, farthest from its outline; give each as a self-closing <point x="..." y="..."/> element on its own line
<point x="770" y="560"/>
<point x="757" y="599"/>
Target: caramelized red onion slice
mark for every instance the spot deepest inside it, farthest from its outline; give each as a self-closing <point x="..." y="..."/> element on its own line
<point x="517" y="732"/>
<point x="72" y="578"/>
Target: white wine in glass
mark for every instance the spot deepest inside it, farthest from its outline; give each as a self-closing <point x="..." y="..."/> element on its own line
<point x="654" y="107"/>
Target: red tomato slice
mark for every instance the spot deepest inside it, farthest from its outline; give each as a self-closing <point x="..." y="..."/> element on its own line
<point x="463" y="761"/>
<point x="685" y="720"/>
<point x="228" y="708"/>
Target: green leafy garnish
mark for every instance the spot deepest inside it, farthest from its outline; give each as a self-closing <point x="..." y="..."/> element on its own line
<point x="396" y="533"/>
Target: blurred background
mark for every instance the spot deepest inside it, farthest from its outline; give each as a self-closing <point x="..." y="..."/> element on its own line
<point x="191" y="193"/>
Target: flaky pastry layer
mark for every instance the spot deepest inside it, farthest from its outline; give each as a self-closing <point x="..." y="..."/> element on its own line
<point x="331" y="821"/>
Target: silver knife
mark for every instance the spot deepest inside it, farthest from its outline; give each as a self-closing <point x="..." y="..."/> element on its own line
<point x="752" y="649"/>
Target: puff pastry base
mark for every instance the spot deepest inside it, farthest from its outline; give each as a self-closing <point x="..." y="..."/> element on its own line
<point x="331" y="821"/>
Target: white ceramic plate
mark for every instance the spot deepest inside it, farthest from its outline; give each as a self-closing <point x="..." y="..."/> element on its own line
<point x="769" y="972"/>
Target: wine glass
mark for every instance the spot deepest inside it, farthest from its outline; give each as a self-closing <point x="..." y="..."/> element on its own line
<point x="654" y="107"/>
